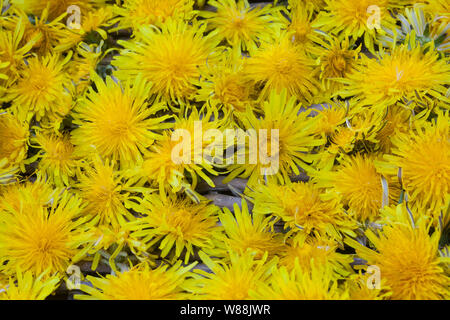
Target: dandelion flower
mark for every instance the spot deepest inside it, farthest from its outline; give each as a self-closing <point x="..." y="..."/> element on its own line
<point x="338" y="60"/>
<point x="139" y="283"/>
<point x="330" y="117"/>
<point x="105" y="191"/>
<point x="281" y="64"/>
<point x="303" y="249"/>
<point x="58" y="162"/>
<point x="226" y="86"/>
<point x="396" y="120"/>
<point x="240" y="24"/>
<point x="232" y="281"/>
<point x="37" y="193"/>
<point x="175" y="222"/>
<point x="423" y="154"/>
<point x="38" y="238"/>
<point x="245" y="232"/>
<point x="403" y="75"/>
<point x="13" y="50"/>
<point x="302" y="28"/>
<point x="135" y="13"/>
<point x="26" y="286"/>
<point x="170" y="170"/>
<point x="286" y="136"/>
<point x="117" y="122"/>
<point x="317" y="284"/>
<point x="43" y="88"/>
<point x="355" y="19"/>
<point x="408" y="259"/>
<point x="80" y="67"/>
<point x="13" y="139"/>
<point x="304" y="207"/>
<point x="171" y="58"/>
<point x="359" y="184"/>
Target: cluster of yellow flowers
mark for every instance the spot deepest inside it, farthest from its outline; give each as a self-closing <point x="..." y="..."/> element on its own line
<point x="91" y="92"/>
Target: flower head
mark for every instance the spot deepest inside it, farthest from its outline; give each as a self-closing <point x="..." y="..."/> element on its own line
<point x="13" y="139"/>
<point x="26" y="286"/>
<point x="58" y="162"/>
<point x="241" y="25"/>
<point x="170" y="58"/>
<point x="281" y="64"/>
<point x="405" y="74"/>
<point x="139" y="283"/>
<point x="38" y="238"/>
<point x="232" y="281"/>
<point x="283" y="137"/>
<point x="105" y="191"/>
<point x="317" y="284"/>
<point x="174" y="222"/>
<point x="117" y="122"/>
<point x="43" y="89"/>
<point x="408" y="258"/>
<point x="135" y="13"/>
<point x="246" y="232"/>
<point x="305" y="208"/>
<point x="423" y="154"/>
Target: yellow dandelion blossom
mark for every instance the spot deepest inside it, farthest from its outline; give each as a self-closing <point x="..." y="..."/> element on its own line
<point x="13" y="139"/>
<point x="342" y="140"/>
<point x="240" y="24"/>
<point x="43" y="88"/>
<point x="360" y="185"/>
<point x="397" y="120"/>
<point x="246" y="232"/>
<point x="403" y="75"/>
<point x="57" y="160"/>
<point x="171" y="58"/>
<point x="226" y="86"/>
<point x="139" y="283"/>
<point x="115" y="122"/>
<point x="135" y="13"/>
<point x="303" y="249"/>
<point x="317" y="284"/>
<point x="105" y="191"/>
<point x="304" y="207"/>
<point x="13" y="51"/>
<point x="47" y="33"/>
<point x="355" y="19"/>
<point x="330" y="117"/>
<point x="337" y="61"/>
<point x="408" y="259"/>
<point x="282" y="64"/>
<point x="37" y="193"/>
<point x="301" y="28"/>
<point x="175" y="222"/>
<point x="423" y="154"/>
<point x="38" y="238"/>
<point x="177" y="160"/>
<point x="26" y="286"/>
<point x="283" y="135"/>
<point x="232" y="281"/>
